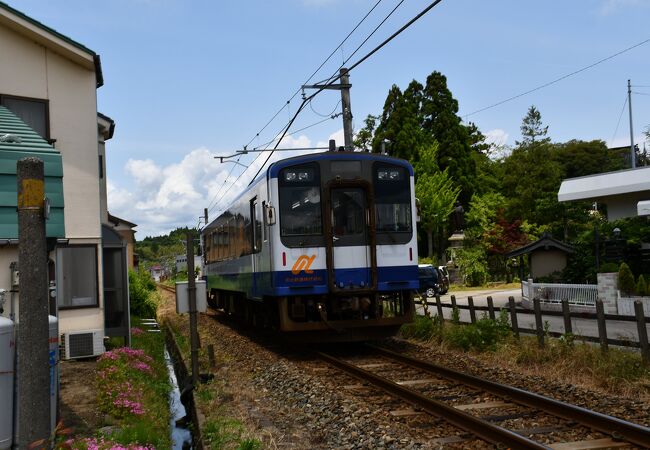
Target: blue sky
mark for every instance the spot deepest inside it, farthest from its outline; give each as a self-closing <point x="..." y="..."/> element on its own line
<point x="186" y="80"/>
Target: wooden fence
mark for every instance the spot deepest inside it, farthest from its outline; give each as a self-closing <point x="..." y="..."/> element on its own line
<point x="541" y="333"/>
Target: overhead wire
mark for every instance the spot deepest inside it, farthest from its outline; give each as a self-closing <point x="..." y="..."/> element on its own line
<point x="316" y="71"/>
<point x="563" y="77"/>
<point x="332" y="81"/>
<point x="337" y="77"/>
<point x="619" y="120"/>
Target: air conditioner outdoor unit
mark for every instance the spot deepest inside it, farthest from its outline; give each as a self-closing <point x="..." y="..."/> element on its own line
<point x="82" y="344"/>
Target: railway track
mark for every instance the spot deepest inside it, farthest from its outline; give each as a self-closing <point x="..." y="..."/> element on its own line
<point x="489" y="410"/>
<point x="167" y="288"/>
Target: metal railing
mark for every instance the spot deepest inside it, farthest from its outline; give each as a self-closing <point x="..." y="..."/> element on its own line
<point x="576" y="294"/>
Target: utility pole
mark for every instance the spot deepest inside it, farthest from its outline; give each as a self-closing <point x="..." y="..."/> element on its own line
<point x="344" y="86"/>
<point x="629" y="102"/>
<point x="191" y="292"/>
<point x="346" y="108"/>
<point x="33" y="329"/>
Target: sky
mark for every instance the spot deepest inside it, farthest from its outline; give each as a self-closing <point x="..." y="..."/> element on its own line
<point x="187" y="80"/>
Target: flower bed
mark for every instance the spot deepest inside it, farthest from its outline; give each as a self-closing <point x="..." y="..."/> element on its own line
<point x="132" y="386"/>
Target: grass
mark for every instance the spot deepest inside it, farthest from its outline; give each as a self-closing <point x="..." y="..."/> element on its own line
<point x="565" y="359"/>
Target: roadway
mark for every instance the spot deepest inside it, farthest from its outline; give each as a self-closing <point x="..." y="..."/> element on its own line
<point x="585" y="327"/>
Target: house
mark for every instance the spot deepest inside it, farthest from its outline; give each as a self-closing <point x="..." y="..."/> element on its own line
<point x="48" y="91"/>
<point x="545" y="256"/>
<point x="157" y="273"/>
<point x="181" y="264"/>
<point x="625" y="192"/>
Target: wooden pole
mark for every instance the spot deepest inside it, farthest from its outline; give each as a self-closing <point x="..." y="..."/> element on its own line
<point x="643" y="332"/>
<point x="513" y="316"/>
<point x="490" y="303"/>
<point x="602" y="327"/>
<point x="566" y="311"/>
<point x="472" y="311"/>
<point x="539" y="326"/>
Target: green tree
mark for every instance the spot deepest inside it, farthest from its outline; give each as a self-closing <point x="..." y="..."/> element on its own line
<point x="437" y="194"/>
<point x="641" y="286"/>
<point x="625" y="279"/>
<point x="400" y="123"/>
<point x="363" y="139"/>
<point x="440" y="120"/>
<point x="532" y="130"/>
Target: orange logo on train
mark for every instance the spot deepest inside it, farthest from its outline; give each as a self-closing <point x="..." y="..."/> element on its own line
<point x="303" y="263"/>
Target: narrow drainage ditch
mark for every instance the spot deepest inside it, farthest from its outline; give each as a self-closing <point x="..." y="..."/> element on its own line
<point x="180" y="434"/>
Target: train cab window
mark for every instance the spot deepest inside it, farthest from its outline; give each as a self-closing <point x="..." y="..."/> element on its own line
<point x="300" y="201"/>
<point x="392" y="198"/>
<point x="348" y="212"/>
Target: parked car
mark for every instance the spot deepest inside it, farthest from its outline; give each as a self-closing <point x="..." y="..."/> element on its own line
<point x="444" y="279"/>
<point x="429" y="279"/>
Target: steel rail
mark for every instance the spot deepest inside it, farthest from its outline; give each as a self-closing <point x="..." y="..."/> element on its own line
<point x="480" y="428"/>
<point x="612" y="426"/>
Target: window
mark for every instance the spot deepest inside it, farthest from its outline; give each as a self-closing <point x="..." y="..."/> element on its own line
<point x="348" y="211"/>
<point x="32" y="111"/>
<point x="77" y="276"/>
<point x="300" y="203"/>
<point x="392" y="198"/>
<point x="101" y="167"/>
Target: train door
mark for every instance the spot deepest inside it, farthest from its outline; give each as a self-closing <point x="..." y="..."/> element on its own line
<point x="350" y="251"/>
<point x="256" y="246"/>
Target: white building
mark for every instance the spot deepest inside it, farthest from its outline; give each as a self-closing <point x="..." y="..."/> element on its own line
<point x="49" y="82"/>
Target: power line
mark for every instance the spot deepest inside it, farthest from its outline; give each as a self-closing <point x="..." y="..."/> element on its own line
<point x="324" y="115"/>
<point x="558" y="79"/>
<point x="336" y="78"/>
<point x="641" y="93"/>
<point x="316" y="71"/>
<point x="619" y="120"/>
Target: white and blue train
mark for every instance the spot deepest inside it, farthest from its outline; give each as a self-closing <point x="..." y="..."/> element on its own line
<point x="322" y="247"/>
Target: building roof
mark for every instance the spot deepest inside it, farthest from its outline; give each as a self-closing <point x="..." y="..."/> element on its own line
<point x="116" y="221"/>
<point x="18" y="140"/>
<point x="52" y="39"/>
<point x="605" y="184"/>
<point x="546" y="242"/>
<point x="106" y="126"/>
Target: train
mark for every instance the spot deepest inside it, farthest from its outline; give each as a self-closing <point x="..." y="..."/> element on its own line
<point x="320" y="247"/>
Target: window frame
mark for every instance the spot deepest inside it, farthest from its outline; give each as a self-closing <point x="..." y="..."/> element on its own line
<point x="61" y="261"/>
<point x="45" y="102"/>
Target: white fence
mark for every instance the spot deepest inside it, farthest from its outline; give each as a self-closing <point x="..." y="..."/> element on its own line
<point x="626" y="305"/>
<point x="576" y="294"/>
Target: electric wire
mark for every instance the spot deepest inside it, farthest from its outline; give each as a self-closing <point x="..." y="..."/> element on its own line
<point x="316" y="71"/>
<point x="514" y="97"/>
<point x="364" y="41"/>
<point x="336" y="78"/>
<point x="333" y="116"/>
<point x="311" y="106"/>
<point x="640" y="93"/>
<point x="619" y="121"/>
<point x="222" y="185"/>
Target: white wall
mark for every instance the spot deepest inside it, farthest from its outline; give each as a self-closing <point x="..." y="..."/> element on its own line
<point x="28" y="69"/>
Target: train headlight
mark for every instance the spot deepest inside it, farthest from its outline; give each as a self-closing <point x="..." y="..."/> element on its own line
<point x="299" y="175"/>
<point x="389" y="174"/>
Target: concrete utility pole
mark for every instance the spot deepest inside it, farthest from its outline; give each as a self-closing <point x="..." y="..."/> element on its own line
<point x="191" y="292"/>
<point x="629" y="102"/>
<point x="33" y="330"/>
<point x="344" y="86"/>
<point x="346" y="107"/>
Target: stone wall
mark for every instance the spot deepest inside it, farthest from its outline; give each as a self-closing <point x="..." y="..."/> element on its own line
<point x="608" y="291"/>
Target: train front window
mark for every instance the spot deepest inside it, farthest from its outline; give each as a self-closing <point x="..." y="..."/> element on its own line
<point x="392" y="198"/>
<point x="300" y="201"/>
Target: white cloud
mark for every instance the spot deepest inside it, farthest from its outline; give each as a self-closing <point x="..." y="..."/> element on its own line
<point x="498" y="141"/>
<point x="166" y="197"/>
<point x="611" y="6"/>
<point x="496" y="137"/>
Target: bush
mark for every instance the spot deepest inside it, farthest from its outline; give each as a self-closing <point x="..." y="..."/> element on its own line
<point x="641" y="286"/>
<point x="142" y="294"/>
<point x="472" y="262"/>
<point x="422" y="328"/>
<point x="483" y="335"/>
<point x="625" y="279"/>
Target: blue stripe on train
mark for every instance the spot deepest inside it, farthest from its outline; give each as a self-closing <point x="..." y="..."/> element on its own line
<point x="283" y="283"/>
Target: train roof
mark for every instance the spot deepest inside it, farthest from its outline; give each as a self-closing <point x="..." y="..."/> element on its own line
<point x="274" y="169"/>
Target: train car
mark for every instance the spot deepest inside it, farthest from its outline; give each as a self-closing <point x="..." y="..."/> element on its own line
<point x="321" y="247"/>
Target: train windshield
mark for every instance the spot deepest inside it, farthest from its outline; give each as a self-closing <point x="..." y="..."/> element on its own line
<point x="300" y="202"/>
<point x="392" y="198"/>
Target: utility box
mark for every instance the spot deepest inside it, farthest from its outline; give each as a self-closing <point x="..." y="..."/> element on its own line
<point x="183" y="299"/>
